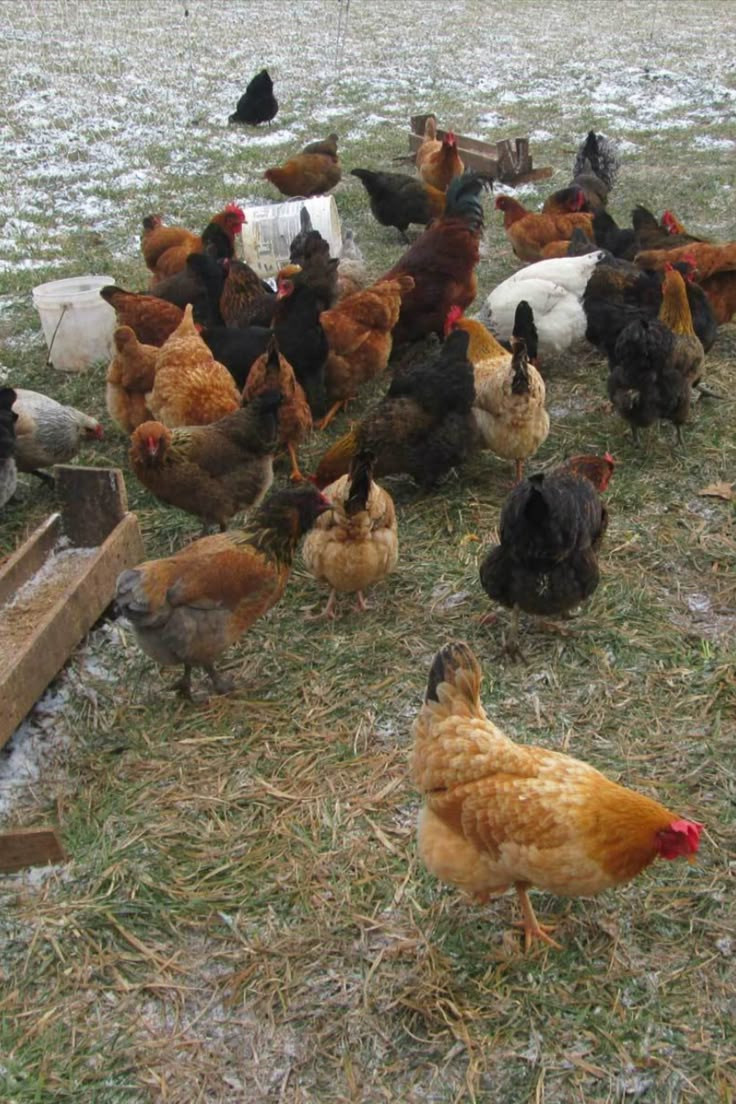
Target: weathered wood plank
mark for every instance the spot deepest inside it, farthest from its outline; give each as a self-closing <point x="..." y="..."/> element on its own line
<point x="54" y="635"/>
<point x="26" y="560"/>
<point x="93" y="501"/>
<point x="34" y="847"/>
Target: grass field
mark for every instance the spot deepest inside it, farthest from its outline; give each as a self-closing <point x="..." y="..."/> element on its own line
<point x="243" y="917"/>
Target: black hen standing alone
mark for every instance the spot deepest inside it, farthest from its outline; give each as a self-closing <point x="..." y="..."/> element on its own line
<point x="258" y="103"/>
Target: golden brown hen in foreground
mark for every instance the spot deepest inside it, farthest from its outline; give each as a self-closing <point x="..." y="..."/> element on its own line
<point x="187" y="609"/>
<point x="498" y="815"/>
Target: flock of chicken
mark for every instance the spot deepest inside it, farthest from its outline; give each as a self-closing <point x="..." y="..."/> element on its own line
<point x="214" y="373"/>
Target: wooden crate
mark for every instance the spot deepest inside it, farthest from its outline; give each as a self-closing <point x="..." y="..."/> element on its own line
<point x="503" y="162"/>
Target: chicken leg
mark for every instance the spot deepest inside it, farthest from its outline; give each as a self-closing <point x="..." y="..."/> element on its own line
<point x="296" y="475"/>
<point x="361" y="605"/>
<point x="519" y="470"/>
<point x="334" y="410"/>
<point x="328" y="612"/>
<point x="532" y="928"/>
<point x="510" y="643"/>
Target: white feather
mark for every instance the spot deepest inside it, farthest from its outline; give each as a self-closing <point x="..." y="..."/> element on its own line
<point x="554" y="290"/>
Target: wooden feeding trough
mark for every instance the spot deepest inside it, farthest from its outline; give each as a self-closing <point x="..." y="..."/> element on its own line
<point x="503" y="162"/>
<point x="52" y="590"/>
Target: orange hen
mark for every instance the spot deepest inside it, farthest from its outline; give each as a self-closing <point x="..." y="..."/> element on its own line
<point x="498" y="815"/>
<point x="272" y="372"/>
<point x="529" y="232"/>
<point x="190" y="387"/>
<point x="130" y="375"/>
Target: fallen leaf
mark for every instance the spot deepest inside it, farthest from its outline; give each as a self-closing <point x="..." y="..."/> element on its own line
<point x="718" y="490"/>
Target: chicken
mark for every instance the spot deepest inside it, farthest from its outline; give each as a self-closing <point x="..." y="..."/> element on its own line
<point x="326" y="146"/>
<point x="272" y="372"/>
<point x="438" y="162"/>
<point x="307" y="174"/>
<point x="579" y="245"/>
<point x="47" y="433"/>
<point x="442" y="262"/>
<point x="622" y="241"/>
<point x="529" y="232"/>
<point x="508" y="409"/>
<point x="667" y="234"/>
<point x="301" y="338"/>
<point x="399" y="200"/>
<point x="152" y="320"/>
<point x="359" y="334"/>
<point x="554" y="290"/>
<point x="318" y="270"/>
<point x="130" y="376"/>
<point x="595" y="170"/>
<point x="182" y="288"/>
<point x="715" y="271"/>
<point x="187" y="609"/>
<point x="550" y="530"/>
<point x="656" y="362"/>
<point x="245" y="299"/>
<point x="8" y="470"/>
<point x="351" y="270"/>
<point x="190" y="387"/>
<point x="257" y="104"/>
<point x="356" y="544"/>
<point x="565" y="201"/>
<point x="619" y="293"/>
<point x="166" y="248"/>
<point x="212" y="471"/>
<point x="296" y="248"/>
<point x="424" y="424"/>
<point x="496" y="814"/>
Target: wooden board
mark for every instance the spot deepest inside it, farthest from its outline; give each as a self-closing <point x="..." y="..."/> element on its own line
<point x="42" y="653"/>
<point x="40" y="629"/>
<point x="35" y="847"/>
<point x="502" y="161"/>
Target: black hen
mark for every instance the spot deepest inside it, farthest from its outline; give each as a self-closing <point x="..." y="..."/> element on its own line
<point x="258" y="103"/>
<point x="619" y="240"/>
<point x="643" y="385"/>
<point x="399" y="200"/>
<point x="301" y="338"/>
<point x="550" y="530"/>
<point x="423" y="426"/>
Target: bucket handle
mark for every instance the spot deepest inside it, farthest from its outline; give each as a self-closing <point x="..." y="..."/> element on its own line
<point x="53" y="338"/>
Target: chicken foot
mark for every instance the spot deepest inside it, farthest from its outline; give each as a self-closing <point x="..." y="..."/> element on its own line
<point x="221" y="683"/>
<point x="531" y="926"/>
<point x="519" y="470"/>
<point x="183" y="685"/>
<point x="296" y="475"/>
<point x="361" y="605"/>
<point x="328" y="613"/>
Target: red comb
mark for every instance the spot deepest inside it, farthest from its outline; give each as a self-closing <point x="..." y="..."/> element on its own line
<point x="233" y="209"/>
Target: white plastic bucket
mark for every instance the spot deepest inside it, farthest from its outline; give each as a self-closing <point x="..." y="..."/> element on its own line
<point x="271" y="227"/>
<point x="78" y="325"/>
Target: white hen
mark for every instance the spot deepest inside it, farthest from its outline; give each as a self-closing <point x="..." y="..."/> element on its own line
<point x="554" y="290"/>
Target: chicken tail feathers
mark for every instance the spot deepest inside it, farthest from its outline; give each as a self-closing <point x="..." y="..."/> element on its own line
<point x="463" y="199"/>
<point x="336" y="461"/>
<point x="455" y="667"/>
<point x="361" y="477"/>
<point x="525" y="329"/>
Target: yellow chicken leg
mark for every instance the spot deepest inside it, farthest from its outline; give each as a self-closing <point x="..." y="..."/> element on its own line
<point x="532" y="928"/>
<point x="296" y="475"/>
<point x="361" y="605"/>
<point x="519" y="470"/>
